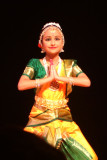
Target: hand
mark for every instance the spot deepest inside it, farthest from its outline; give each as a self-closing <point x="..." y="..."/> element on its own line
<point x="51" y="72"/>
<point x="56" y="76"/>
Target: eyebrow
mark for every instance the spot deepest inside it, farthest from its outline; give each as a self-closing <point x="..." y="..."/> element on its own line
<point x="51" y="36"/>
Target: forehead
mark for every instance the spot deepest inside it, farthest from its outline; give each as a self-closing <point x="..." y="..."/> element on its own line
<point x="52" y="31"/>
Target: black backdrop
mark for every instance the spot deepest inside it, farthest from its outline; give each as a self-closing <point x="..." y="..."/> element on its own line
<point x="85" y="28"/>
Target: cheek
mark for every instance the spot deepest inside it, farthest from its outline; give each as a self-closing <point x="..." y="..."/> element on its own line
<point x="60" y="44"/>
<point x="45" y="44"/>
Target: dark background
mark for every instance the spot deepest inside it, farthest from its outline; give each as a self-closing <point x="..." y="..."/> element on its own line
<point x="84" y="25"/>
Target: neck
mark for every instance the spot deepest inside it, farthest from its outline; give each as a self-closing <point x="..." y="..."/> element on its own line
<point x="55" y="58"/>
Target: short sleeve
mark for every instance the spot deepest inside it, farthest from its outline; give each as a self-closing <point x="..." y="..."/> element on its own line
<point x="29" y="69"/>
<point x="76" y="70"/>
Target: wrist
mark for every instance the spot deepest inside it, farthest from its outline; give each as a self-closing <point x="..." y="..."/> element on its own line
<point x="71" y="81"/>
<point x="58" y="78"/>
<point x="49" y="79"/>
<point x="37" y="83"/>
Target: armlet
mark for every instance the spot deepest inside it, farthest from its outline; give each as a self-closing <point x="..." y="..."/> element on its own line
<point x="76" y="70"/>
<point x="29" y="71"/>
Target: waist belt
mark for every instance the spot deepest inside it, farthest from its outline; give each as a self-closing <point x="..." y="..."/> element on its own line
<point x="50" y="104"/>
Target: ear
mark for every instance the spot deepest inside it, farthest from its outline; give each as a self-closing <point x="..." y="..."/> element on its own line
<point x="42" y="49"/>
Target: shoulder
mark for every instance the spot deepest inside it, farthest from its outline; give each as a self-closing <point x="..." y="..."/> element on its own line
<point x="70" y="62"/>
<point x="31" y="68"/>
<point x="32" y="62"/>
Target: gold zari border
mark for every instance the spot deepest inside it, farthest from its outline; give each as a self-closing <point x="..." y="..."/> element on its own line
<point x="76" y="70"/>
<point x="29" y="71"/>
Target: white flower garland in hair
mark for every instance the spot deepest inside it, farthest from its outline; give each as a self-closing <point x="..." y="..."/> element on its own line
<point x="52" y="24"/>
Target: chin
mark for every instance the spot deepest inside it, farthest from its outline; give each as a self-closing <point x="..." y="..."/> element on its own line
<point x="53" y="52"/>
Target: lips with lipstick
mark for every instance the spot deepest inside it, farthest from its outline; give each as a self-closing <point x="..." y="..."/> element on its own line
<point x="52" y="47"/>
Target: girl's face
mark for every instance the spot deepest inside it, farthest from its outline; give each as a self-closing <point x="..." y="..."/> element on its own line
<point x="52" y="41"/>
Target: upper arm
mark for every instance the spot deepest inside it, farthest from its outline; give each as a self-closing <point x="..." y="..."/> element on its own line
<point x="28" y="73"/>
<point x="23" y="78"/>
<point x="76" y="70"/>
<point x="83" y="75"/>
<point x="29" y="70"/>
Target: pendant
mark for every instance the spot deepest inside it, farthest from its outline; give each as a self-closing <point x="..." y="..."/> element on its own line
<point x="54" y="85"/>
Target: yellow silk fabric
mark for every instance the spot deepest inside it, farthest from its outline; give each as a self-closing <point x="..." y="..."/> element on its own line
<point x="49" y="125"/>
<point x="62" y="129"/>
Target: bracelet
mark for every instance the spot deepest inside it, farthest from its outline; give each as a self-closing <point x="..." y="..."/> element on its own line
<point x="37" y="83"/>
<point x="71" y="81"/>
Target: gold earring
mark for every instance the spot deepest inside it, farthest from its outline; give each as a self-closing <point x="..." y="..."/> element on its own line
<point x="42" y="51"/>
<point x="62" y="50"/>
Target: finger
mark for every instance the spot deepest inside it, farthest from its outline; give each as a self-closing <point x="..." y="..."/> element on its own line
<point x="52" y="67"/>
<point x="51" y="70"/>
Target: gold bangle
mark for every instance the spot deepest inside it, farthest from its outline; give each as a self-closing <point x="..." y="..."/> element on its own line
<point x="71" y="81"/>
<point x="37" y="83"/>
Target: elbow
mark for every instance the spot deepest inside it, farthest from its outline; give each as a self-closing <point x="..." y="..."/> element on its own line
<point x="88" y="83"/>
<point x="20" y="87"/>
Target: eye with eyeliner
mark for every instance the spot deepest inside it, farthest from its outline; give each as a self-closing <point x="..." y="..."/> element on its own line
<point x="49" y="38"/>
<point x="57" y="38"/>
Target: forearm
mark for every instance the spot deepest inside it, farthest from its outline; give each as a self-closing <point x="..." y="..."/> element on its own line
<point x="76" y="81"/>
<point x="81" y="81"/>
<point x="25" y="84"/>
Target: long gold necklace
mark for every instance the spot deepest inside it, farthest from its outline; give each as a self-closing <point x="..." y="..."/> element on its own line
<point x="54" y="84"/>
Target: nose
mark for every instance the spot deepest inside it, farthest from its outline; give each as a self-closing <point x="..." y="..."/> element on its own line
<point x="52" y="42"/>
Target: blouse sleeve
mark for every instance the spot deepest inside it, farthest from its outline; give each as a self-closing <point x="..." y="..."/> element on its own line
<point x="29" y="69"/>
<point x="76" y="70"/>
